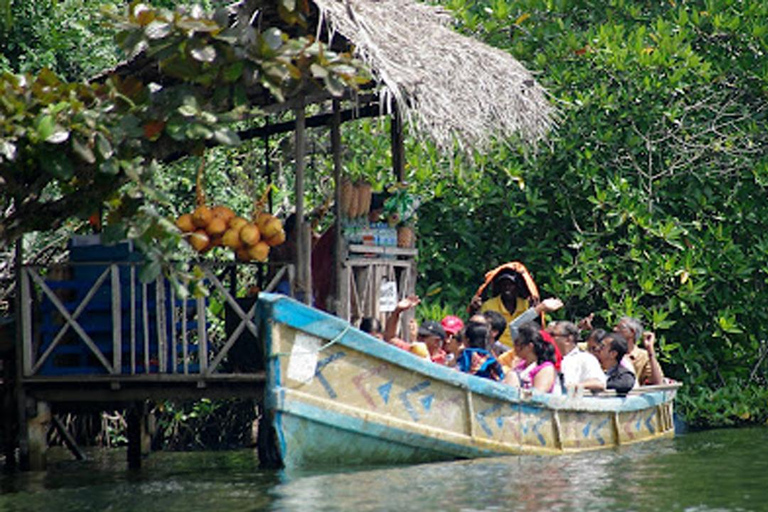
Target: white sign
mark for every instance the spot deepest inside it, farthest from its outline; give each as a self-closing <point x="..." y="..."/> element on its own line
<point x="303" y="362"/>
<point x="387" y="296"/>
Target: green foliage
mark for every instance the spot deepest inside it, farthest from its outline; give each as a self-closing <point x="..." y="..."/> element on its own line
<point x="65" y="36"/>
<point x="66" y="148"/>
<point x="650" y="199"/>
<point x="204" y="424"/>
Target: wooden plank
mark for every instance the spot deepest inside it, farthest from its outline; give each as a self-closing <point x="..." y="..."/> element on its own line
<point x="145" y="319"/>
<point x="154" y="378"/>
<point x="69" y="441"/>
<point x="26" y="320"/>
<point x="218" y="285"/>
<point x="370" y="262"/>
<point x="277" y="278"/>
<point x="65" y="313"/>
<point x="184" y="335"/>
<point x="133" y="319"/>
<point x="345" y="308"/>
<point x="162" y="356"/>
<point x="71" y="321"/>
<point x="202" y="336"/>
<point x="245" y="319"/>
<point x="379" y="249"/>
<point x="117" y="321"/>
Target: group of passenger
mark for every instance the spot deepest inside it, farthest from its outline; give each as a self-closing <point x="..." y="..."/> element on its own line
<point x="502" y="340"/>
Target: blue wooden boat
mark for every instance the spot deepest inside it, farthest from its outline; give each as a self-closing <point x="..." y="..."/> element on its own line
<point x="336" y="395"/>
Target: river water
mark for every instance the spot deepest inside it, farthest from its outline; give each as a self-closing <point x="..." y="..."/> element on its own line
<point x="705" y="471"/>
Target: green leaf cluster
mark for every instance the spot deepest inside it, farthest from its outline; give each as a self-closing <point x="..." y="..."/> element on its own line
<point x="650" y="199"/>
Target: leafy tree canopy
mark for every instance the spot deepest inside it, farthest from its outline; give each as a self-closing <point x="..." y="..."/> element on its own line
<point x="67" y="147"/>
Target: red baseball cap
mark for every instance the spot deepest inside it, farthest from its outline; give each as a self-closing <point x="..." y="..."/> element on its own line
<point x="452" y="324"/>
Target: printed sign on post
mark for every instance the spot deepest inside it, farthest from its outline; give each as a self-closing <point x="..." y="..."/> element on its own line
<point x="387" y="296"/>
<point x="303" y="362"/>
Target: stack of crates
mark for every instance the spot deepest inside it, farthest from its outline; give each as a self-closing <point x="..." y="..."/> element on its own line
<point x="88" y="261"/>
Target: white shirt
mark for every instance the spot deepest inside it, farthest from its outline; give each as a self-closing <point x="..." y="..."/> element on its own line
<point x="578" y="366"/>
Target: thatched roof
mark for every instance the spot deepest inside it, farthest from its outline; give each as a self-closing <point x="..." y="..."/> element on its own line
<point x="452" y="88"/>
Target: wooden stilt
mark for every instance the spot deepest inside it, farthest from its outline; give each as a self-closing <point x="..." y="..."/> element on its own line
<point x="8" y="422"/>
<point x="69" y="441"/>
<point x="136" y="432"/>
<point x="341" y="307"/>
<point x="303" y="241"/>
<point x="37" y="430"/>
<point x="23" y="360"/>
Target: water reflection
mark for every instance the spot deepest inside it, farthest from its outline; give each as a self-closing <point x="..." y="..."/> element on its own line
<point x="592" y="481"/>
<point x="719" y="470"/>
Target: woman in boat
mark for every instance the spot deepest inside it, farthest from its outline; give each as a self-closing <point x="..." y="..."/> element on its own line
<point x="536" y="369"/>
<point x="454" y="343"/>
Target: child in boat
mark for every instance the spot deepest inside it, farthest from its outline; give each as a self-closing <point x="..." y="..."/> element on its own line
<point x="475" y="359"/>
<point x="536" y="368"/>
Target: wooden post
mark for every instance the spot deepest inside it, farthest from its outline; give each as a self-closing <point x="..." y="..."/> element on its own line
<point x="339" y="254"/>
<point x="398" y="149"/>
<point x="23" y="353"/>
<point x="117" y="322"/>
<point x="136" y="433"/>
<point x="37" y="433"/>
<point x="303" y="241"/>
<point x="69" y="441"/>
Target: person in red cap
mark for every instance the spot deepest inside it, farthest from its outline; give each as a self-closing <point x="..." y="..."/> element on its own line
<point x="453" y="345"/>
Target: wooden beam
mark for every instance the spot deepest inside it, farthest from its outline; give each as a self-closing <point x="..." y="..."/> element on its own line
<point x="339" y="254"/>
<point x="23" y="351"/>
<point x="303" y="242"/>
<point x="398" y="149"/>
<point x="69" y="441"/>
<point x="315" y="121"/>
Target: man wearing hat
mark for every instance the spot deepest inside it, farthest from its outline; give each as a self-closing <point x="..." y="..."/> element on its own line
<point x="506" y="300"/>
<point x="432" y="334"/>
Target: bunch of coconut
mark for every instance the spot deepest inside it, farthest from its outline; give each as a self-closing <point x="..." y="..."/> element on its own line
<point x="209" y="227"/>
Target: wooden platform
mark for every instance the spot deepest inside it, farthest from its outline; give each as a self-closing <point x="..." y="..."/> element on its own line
<point x="92" y="336"/>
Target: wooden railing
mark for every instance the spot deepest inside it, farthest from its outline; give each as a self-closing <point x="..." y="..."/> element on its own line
<point x="100" y="319"/>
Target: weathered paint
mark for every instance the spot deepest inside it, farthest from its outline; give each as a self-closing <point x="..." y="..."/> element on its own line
<point x="357" y="400"/>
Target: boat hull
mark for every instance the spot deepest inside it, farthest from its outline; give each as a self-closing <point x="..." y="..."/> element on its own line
<point x="338" y="396"/>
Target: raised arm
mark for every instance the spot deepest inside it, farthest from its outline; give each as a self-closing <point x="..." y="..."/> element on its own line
<point x="474" y="305"/>
<point x="657" y="376"/>
<point x="390" y="330"/>
<point x="530" y="314"/>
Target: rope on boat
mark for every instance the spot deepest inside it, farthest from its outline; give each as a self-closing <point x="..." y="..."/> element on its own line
<point x="336" y="339"/>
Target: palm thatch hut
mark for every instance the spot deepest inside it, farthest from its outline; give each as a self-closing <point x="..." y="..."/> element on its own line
<point x="453" y="90"/>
